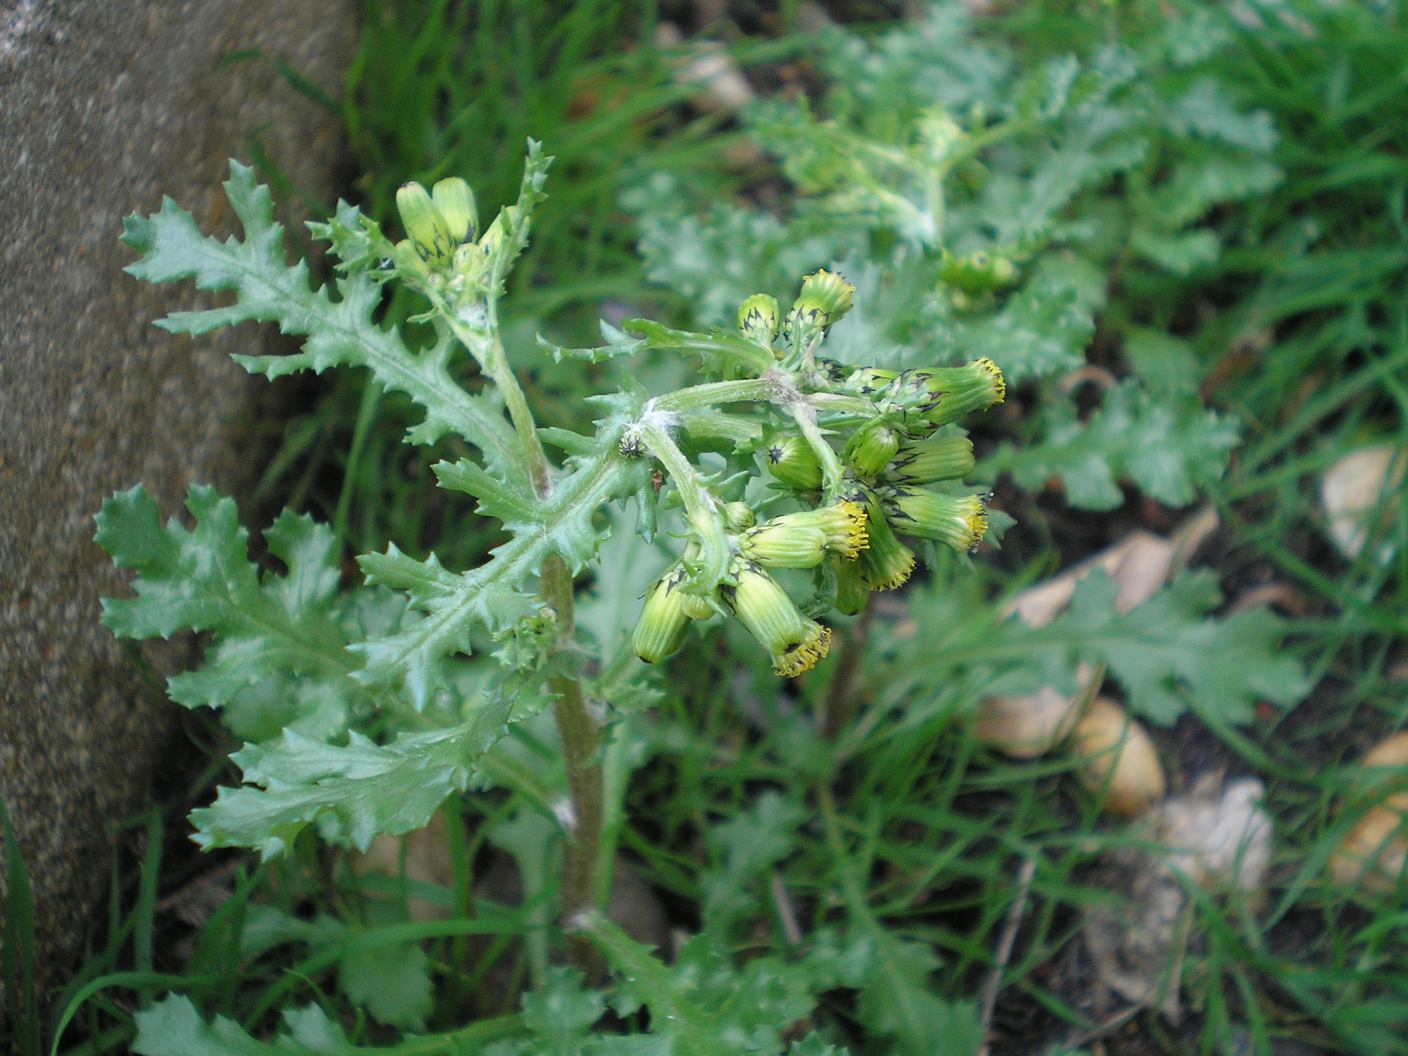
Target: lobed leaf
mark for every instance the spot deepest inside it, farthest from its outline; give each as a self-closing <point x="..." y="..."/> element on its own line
<point x="337" y="332"/>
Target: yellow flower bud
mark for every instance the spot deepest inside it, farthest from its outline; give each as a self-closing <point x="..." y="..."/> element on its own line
<point x="945" y="394"/>
<point x="794" y="642"/>
<point x="424" y="225"/>
<point x="887" y="563"/>
<point x="660" y="630"/>
<point x="936" y="458"/>
<point x="758" y="319"/>
<point x="842" y="524"/>
<point x="778" y="545"/>
<point x="960" y="521"/>
<point x="455" y="203"/>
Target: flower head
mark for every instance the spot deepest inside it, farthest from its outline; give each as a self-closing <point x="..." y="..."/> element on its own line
<point x="941" y="395"/>
<point x="871" y="447"/>
<point x="427" y="230"/>
<point x="825" y="298"/>
<point x="931" y="459"/>
<point x="758" y="319"/>
<point x="960" y="521"/>
<point x="454" y="201"/>
<point x="660" y="630"/>
<point x="794" y="642"/>
<point x="842" y="525"/>
<point x="780" y="545"/>
<point x="887" y="563"/>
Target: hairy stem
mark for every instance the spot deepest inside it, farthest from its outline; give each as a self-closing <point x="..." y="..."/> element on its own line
<point x="831" y="471"/>
<point x="757" y="390"/>
<point x="576" y="728"/>
<point x="699" y="505"/>
<point x="580" y="738"/>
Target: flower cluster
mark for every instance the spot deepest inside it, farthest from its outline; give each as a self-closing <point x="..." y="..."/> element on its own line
<point x="795" y="540"/>
<point x="867" y="454"/>
<point x="443" y="248"/>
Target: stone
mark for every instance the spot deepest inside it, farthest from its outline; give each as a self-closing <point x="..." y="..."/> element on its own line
<point x="105" y="107"/>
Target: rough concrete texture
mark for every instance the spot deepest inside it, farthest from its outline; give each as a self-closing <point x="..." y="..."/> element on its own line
<point x="105" y="107"/>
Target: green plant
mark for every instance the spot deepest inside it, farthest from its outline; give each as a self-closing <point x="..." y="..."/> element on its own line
<point x="360" y="712"/>
<point x="1157" y="220"/>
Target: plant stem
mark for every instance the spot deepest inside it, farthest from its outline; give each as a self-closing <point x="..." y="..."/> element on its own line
<point x="699" y="505"/>
<point x="576" y="728"/>
<point x="832" y="473"/>
<point x="758" y="390"/>
<point x="579" y="734"/>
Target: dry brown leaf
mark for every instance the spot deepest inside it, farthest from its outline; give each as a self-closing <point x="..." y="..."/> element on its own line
<point x="1030" y="725"/>
<point x="1355" y="494"/>
<point x="1375" y="852"/>
<point x="708" y="68"/>
<point x="1139" y="564"/>
<point x="1118" y="759"/>
<point x="1220" y="841"/>
<point x="427" y="860"/>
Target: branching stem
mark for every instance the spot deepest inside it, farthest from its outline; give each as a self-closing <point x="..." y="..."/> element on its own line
<point x="832" y="474"/>
<point x="699" y="505"/>
<point x="576" y="728"/>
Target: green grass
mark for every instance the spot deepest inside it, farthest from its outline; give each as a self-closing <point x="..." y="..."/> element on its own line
<point x="904" y="829"/>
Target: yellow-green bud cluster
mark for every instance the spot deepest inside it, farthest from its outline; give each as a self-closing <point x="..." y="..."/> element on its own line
<point x="438" y="223"/>
<point x="977" y="272"/>
<point x="794" y="540"/>
<point x="933" y="396"/>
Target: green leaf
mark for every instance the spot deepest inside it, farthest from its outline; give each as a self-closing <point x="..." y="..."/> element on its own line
<point x="339" y="332"/>
<point x="1169" y="654"/>
<point x="1213" y="178"/>
<point x="560" y="1017"/>
<point x="1166" y="444"/>
<point x="747" y="845"/>
<point x="702" y="1003"/>
<point x="617" y="344"/>
<point x="1207" y="112"/>
<point x="1180" y="253"/>
<point x="490" y="596"/>
<point x="390" y="982"/>
<point x="1163" y="363"/>
<point x="173" y="1027"/>
<point x="267" y="630"/>
<point x="718" y="348"/>
<point x="352" y="793"/>
<point x="1041" y="330"/>
<point x="898" y="1001"/>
